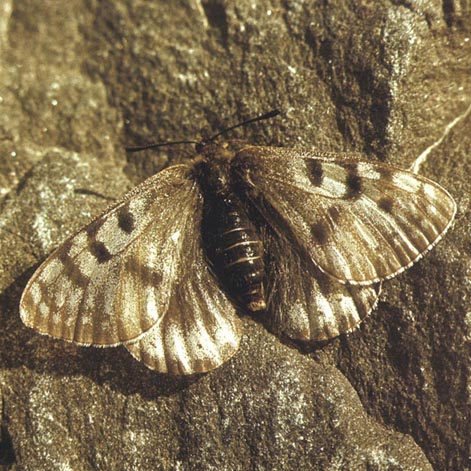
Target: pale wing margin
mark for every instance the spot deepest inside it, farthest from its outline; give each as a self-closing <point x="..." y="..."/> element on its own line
<point x="110" y="283"/>
<point x="360" y="222"/>
<point x="200" y="329"/>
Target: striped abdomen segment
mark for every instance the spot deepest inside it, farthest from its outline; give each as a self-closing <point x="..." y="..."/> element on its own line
<point x="235" y="251"/>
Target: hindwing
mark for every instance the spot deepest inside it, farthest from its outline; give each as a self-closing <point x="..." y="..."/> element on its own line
<point x="200" y="330"/>
<point x="306" y="304"/>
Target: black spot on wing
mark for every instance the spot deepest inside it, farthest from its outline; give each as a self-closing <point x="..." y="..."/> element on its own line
<point x="386" y="204"/>
<point x="99" y="251"/>
<point x="334" y="214"/>
<point x="385" y="172"/>
<point x="146" y="275"/>
<point x="125" y="219"/>
<point x="93" y="228"/>
<point x="71" y="270"/>
<point x="325" y="284"/>
<point x="74" y="274"/>
<point x="315" y="171"/>
<point x="150" y="277"/>
<point x="319" y="233"/>
<point x="63" y="253"/>
<point x="28" y="300"/>
<point x="96" y="248"/>
<point x="353" y="182"/>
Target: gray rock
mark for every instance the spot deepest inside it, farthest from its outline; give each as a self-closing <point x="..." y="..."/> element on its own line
<point x="78" y="82"/>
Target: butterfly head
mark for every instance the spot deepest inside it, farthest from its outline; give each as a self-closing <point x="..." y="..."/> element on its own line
<point x="213" y="166"/>
<point x="210" y="150"/>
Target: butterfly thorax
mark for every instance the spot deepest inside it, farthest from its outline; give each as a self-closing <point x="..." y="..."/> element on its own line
<point x="232" y="244"/>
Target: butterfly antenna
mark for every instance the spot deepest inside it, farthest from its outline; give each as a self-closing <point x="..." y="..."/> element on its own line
<point x="270" y="114"/>
<point x="158" y="144"/>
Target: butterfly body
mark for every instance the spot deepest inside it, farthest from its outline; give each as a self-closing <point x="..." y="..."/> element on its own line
<point x="232" y="244"/>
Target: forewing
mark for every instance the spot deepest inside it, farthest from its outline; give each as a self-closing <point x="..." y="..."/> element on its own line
<point x="359" y="222"/>
<point x="111" y="282"/>
<point x="200" y="330"/>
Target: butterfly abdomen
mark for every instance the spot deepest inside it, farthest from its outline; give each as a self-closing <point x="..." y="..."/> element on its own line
<point x="235" y="251"/>
<point x="232" y="244"/>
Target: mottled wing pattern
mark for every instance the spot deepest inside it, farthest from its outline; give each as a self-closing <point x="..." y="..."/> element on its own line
<point x="306" y="304"/>
<point x="359" y="222"/>
<point x="112" y="281"/>
<point x="200" y="330"/>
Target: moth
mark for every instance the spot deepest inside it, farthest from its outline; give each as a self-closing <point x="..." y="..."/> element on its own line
<point x="303" y="237"/>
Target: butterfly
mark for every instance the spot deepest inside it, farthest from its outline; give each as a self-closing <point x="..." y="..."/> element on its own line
<point x="304" y="236"/>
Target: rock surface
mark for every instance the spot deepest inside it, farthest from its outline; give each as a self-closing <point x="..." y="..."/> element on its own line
<point x="79" y="81"/>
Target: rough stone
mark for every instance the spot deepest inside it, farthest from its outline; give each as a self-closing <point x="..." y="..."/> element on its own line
<point x="79" y="81"/>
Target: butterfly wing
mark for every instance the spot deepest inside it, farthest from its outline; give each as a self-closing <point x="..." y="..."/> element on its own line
<point x="306" y="304"/>
<point x="200" y="330"/>
<point x="117" y="277"/>
<point x="359" y="222"/>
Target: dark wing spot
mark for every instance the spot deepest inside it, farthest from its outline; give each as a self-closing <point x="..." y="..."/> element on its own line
<point x="44" y="291"/>
<point x="325" y="284"/>
<point x="385" y="172"/>
<point x="334" y="214"/>
<point x="353" y="182"/>
<point x="386" y="204"/>
<point x="319" y="233"/>
<point x="28" y="300"/>
<point x="71" y="270"/>
<point x="75" y="275"/>
<point x="125" y="220"/>
<point x="63" y="252"/>
<point x="99" y="251"/>
<point x="150" y="277"/>
<point x="93" y="228"/>
<point x="315" y="171"/>
<point x="146" y="275"/>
